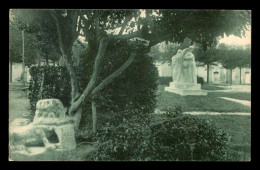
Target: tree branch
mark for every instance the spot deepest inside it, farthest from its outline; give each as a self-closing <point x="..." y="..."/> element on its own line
<point x="102" y="49"/>
<point x="127" y="36"/>
<point x="68" y="61"/>
<point x="97" y="26"/>
<point x="112" y="76"/>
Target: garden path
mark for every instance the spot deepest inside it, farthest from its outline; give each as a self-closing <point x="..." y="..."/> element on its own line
<point x="244" y="102"/>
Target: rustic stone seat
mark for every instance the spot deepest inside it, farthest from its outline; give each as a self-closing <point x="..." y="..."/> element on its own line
<point x="49" y="118"/>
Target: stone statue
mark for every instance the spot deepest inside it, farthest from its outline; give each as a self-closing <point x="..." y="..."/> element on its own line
<point x="184" y="67"/>
<point x="49" y="120"/>
<point x="184" y="74"/>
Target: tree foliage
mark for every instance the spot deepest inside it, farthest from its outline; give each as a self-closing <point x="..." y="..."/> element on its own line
<point x="235" y="57"/>
<point x="16" y="45"/>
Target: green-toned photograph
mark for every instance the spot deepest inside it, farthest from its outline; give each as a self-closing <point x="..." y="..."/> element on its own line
<point x="129" y="85"/>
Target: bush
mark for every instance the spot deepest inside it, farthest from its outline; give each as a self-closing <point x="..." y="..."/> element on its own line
<point x="179" y="137"/>
<point x="200" y="80"/>
<point x="124" y="137"/>
<point x="185" y="137"/>
<point x="56" y="85"/>
<point x="164" y="80"/>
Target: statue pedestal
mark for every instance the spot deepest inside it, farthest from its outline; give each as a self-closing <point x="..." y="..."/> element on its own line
<point x="185" y="89"/>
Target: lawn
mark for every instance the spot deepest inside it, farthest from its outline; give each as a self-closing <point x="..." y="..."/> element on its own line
<point x="211" y="102"/>
<point x="239" y="129"/>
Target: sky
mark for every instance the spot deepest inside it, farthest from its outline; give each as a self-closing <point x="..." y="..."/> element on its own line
<point x="237" y="41"/>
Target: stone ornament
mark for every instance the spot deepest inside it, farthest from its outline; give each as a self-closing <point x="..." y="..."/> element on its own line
<point x="49" y="120"/>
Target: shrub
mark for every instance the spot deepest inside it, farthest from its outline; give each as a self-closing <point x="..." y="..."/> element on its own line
<point x="164" y="80"/>
<point x="127" y="136"/>
<point x="200" y="80"/>
<point x="185" y="137"/>
<point x="124" y="137"/>
<point x="56" y="85"/>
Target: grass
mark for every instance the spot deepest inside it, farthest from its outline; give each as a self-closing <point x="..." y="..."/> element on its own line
<point x="211" y="102"/>
<point x="211" y="87"/>
<point x="236" y="95"/>
<point x="78" y="154"/>
<point x="239" y="129"/>
<point x="18" y="105"/>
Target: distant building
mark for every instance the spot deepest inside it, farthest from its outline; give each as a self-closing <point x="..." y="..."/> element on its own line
<point x="217" y="74"/>
<point x="16" y="69"/>
<point x="16" y="72"/>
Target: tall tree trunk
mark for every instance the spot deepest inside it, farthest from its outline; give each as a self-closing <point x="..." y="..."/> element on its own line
<point x="94" y="117"/>
<point x="23" y="74"/>
<point x="41" y="88"/>
<point x="240" y="74"/>
<point x="207" y="73"/>
<point x="39" y="59"/>
<point x="11" y="72"/>
<point x="47" y="60"/>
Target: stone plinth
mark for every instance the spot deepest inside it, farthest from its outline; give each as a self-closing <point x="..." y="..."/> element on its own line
<point x="185" y="89"/>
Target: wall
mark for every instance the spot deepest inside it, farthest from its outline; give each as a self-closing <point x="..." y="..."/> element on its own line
<point x="17" y="69"/>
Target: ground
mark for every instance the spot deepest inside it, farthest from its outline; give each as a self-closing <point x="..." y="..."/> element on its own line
<point x="19" y="106"/>
<point x="238" y="127"/>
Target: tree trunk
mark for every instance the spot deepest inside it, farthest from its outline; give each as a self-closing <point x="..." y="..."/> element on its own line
<point x="47" y="60"/>
<point x="77" y="118"/>
<point x="11" y="72"/>
<point x="39" y="59"/>
<point x="207" y="73"/>
<point x="240" y="75"/>
<point x="94" y="117"/>
<point x="41" y="88"/>
<point x="23" y="74"/>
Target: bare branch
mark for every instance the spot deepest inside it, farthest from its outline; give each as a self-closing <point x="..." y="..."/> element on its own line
<point x="102" y="49"/>
<point x="97" y="26"/>
<point x="127" y="36"/>
<point x="115" y="74"/>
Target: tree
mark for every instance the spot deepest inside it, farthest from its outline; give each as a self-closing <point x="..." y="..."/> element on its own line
<point x="235" y="57"/>
<point x="207" y="57"/>
<point x="100" y="27"/>
<point x="244" y="59"/>
<point x="21" y="47"/>
<point x="163" y="52"/>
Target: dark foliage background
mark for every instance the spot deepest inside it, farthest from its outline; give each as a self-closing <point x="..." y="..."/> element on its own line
<point x="137" y="85"/>
<point x="56" y="84"/>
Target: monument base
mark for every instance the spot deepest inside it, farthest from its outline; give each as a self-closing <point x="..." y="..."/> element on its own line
<point x="185" y="89"/>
